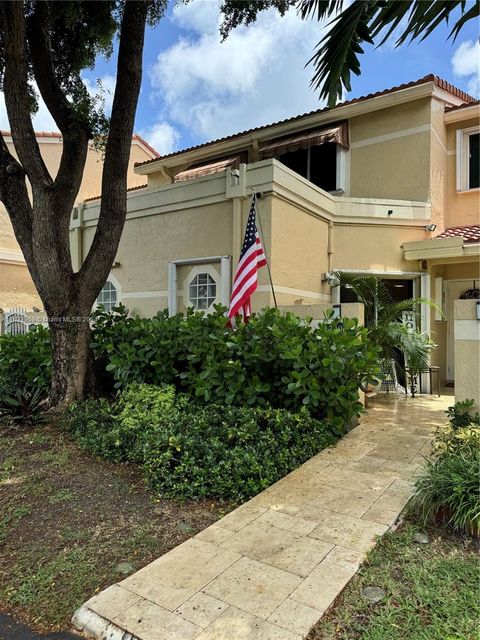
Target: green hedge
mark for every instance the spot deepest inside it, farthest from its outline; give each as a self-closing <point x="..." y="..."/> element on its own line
<point x="194" y="451"/>
<point x="25" y="362"/>
<point x="276" y="359"/>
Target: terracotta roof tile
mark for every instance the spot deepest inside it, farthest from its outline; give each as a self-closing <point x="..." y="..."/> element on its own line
<point x="140" y="186"/>
<point x="442" y="84"/>
<point x="57" y="134"/>
<point x="145" y="144"/>
<point x="470" y="233"/>
<point x="463" y="106"/>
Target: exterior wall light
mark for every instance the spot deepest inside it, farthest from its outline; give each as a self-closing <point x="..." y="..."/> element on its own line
<point x="430" y="227"/>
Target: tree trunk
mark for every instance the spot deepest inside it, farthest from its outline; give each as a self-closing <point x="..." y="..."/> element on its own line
<point x="41" y="225"/>
<point x="72" y="370"/>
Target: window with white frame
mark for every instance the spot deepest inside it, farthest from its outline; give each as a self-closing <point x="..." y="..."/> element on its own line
<point x="202" y="291"/>
<point x="108" y="296"/>
<point x="468" y="159"/>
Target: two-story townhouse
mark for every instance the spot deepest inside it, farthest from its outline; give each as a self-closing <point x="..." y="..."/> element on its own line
<point x="351" y="188"/>
<point x="16" y="286"/>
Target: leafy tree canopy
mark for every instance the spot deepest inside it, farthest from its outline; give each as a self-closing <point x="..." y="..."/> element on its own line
<point x="76" y="33"/>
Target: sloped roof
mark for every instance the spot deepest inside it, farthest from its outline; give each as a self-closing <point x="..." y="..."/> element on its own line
<point x="463" y="106"/>
<point x="140" y="186"/>
<point x="469" y="233"/>
<point x="439" y="82"/>
<point x="58" y="135"/>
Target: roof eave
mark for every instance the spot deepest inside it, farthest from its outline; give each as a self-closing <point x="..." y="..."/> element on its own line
<point x="341" y="112"/>
<point x="459" y="115"/>
<point x="430" y="249"/>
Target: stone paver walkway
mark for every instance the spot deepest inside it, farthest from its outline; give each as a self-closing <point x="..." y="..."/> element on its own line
<point x="272" y="567"/>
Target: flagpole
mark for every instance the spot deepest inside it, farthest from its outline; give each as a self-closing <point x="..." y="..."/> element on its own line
<point x="257" y="196"/>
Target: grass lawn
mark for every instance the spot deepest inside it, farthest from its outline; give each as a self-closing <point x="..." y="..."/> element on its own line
<point x="67" y="520"/>
<point x="432" y="592"/>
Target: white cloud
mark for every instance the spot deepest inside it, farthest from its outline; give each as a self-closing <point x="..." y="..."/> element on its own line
<point x="256" y="76"/>
<point x="162" y="136"/>
<point x="200" y="16"/>
<point x="43" y="121"/>
<point x="466" y="64"/>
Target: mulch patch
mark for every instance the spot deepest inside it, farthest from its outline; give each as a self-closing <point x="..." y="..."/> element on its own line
<point x="67" y="520"/>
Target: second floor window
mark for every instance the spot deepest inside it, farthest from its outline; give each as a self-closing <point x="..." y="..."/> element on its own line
<point x="317" y="154"/>
<point x="474" y="161"/>
<point x="317" y="164"/>
<point x="468" y="159"/>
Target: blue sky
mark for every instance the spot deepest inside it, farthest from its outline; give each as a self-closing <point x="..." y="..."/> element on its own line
<point x="196" y="88"/>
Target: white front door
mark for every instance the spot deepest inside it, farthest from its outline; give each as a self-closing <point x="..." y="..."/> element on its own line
<point x="455" y="288"/>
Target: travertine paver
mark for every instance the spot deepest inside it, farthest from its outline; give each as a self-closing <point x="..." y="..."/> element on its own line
<point x="272" y="567"/>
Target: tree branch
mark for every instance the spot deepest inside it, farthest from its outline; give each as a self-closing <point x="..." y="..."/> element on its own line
<point x="101" y="255"/>
<point x="17" y="98"/>
<point x="74" y="132"/>
<point x="14" y="195"/>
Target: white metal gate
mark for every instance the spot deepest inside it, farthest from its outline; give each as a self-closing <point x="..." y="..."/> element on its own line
<point x="16" y="321"/>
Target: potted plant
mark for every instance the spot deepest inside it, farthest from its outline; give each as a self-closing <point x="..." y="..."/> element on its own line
<point x="402" y="347"/>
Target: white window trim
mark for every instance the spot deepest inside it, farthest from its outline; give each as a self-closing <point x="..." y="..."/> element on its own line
<point x="195" y="271"/>
<point x="463" y="147"/>
<point x="117" y="286"/>
<point x="223" y="284"/>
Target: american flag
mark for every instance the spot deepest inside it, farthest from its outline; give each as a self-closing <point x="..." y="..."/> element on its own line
<point x="251" y="259"/>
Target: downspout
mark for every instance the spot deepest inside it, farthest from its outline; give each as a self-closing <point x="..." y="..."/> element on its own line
<point x="330" y="246"/>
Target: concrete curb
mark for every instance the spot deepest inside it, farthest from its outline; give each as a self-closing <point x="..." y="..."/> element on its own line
<point x="90" y="623"/>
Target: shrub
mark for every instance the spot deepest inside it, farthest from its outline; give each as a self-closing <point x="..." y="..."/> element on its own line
<point x="25" y="407"/>
<point x="276" y="359"/>
<point x="448" y="489"/>
<point x="461" y="414"/>
<point x="192" y="451"/>
<point x="25" y="362"/>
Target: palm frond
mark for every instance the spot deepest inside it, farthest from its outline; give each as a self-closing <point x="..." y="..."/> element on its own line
<point x="364" y="21"/>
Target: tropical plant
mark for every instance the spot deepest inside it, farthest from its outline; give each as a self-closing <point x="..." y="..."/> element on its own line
<point x="462" y="414"/>
<point x="23" y="407"/>
<point x="448" y="489"/>
<point x="354" y="24"/>
<point x="383" y="319"/>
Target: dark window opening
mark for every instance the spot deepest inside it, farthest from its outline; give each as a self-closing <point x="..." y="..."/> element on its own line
<point x="296" y="161"/>
<point x="474" y="161"/>
<point x="323" y="166"/>
<point x="398" y="289"/>
<point x="317" y="164"/>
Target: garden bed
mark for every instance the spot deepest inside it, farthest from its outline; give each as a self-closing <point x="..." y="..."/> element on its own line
<point x="68" y="520"/>
<point x="431" y="591"/>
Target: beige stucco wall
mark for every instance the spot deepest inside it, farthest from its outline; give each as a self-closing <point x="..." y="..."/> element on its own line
<point x="438" y="164"/>
<point x="461" y="208"/>
<point x="373" y="247"/>
<point x="467" y="351"/>
<point x="299" y="253"/>
<point x="462" y="269"/>
<point x="17" y="288"/>
<point x="149" y="243"/>
<point x="390" y="143"/>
